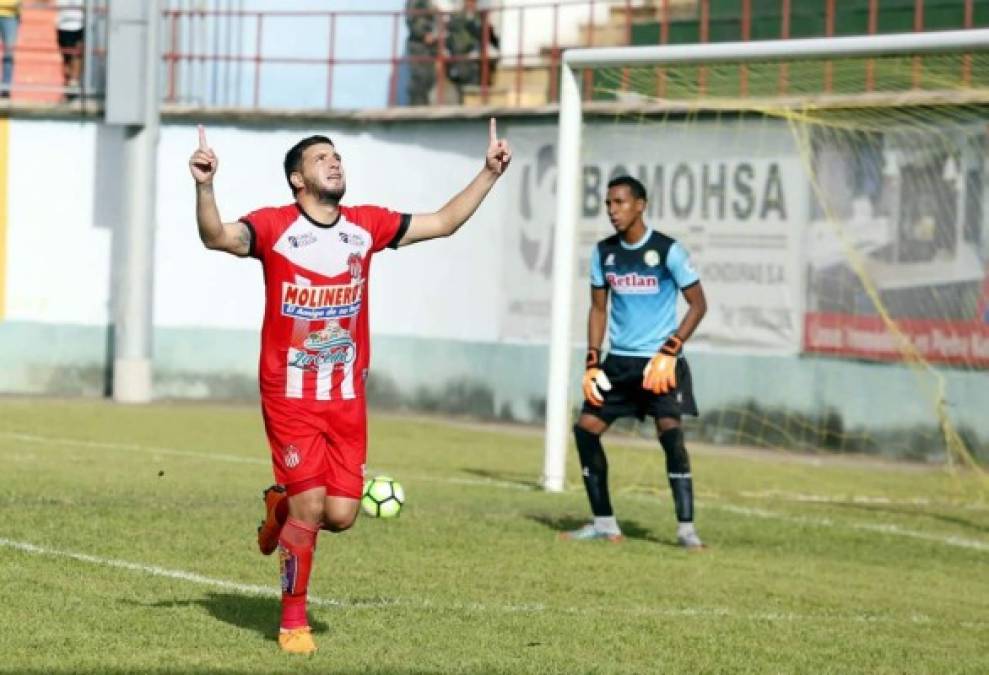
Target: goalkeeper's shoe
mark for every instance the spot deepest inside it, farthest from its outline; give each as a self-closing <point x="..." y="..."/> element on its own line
<point x="270" y="529"/>
<point x="690" y="541"/>
<point x="590" y="533"/>
<point x="296" y="640"/>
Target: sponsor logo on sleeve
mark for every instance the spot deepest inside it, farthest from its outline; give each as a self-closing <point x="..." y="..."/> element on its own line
<point x="316" y="303"/>
<point x="689" y="267"/>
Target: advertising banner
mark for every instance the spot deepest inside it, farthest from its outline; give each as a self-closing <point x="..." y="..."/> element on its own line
<point x="734" y="194"/>
<point x="899" y="228"/>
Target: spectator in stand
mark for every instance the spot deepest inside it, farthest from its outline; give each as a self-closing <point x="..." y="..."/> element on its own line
<point x="71" y="23"/>
<point x="466" y="43"/>
<point x="422" y="45"/>
<point x="9" y="18"/>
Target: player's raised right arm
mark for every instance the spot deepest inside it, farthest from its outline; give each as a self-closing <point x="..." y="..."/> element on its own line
<point x="216" y="235"/>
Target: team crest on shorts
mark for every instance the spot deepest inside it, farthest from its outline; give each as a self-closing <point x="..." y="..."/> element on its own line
<point x="292" y="457"/>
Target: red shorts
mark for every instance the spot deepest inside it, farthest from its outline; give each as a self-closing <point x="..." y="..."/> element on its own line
<point x="317" y="443"/>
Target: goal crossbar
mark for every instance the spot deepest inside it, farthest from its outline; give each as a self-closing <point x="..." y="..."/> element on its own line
<point x="769" y="50"/>
<point x="568" y="163"/>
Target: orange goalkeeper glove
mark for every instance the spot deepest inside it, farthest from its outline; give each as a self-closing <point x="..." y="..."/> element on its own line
<point x="595" y="381"/>
<point x="660" y="374"/>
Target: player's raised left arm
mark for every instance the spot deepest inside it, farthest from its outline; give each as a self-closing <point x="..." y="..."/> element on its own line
<point x="462" y="206"/>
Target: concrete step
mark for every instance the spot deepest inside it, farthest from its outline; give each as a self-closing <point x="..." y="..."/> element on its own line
<point x="37" y="61"/>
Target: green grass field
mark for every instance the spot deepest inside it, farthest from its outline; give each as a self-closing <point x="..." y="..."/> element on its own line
<point x="127" y="545"/>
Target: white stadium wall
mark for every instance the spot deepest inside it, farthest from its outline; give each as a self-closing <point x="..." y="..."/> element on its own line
<point x="459" y="325"/>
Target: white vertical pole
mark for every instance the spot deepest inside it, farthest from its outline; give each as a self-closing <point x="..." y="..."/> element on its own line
<point x="89" y="31"/>
<point x="134" y="276"/>
<point x="564" y="250"/>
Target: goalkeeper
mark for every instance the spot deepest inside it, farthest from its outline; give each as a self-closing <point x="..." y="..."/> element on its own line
<point x="645" y="372"/>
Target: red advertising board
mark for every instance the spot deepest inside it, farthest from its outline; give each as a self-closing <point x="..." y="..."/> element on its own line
<point x="963" y="343"/>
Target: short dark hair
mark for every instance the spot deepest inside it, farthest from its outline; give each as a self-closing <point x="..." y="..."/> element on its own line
<point x="293" y="158"/>
<point x="635" y="185"/>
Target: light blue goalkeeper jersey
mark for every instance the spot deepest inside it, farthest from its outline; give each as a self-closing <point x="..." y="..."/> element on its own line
<point x="644" y="280"/>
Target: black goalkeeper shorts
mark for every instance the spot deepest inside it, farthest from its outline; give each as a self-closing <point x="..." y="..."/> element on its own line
<point x="627" y="398"/>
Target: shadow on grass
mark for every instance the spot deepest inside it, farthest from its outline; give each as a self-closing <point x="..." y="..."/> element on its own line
<point x="260" y="615"/>
<point x="522" y="480"/>
<point x="630" y="528"/>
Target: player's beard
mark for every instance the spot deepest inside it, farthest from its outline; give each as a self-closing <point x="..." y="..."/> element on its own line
<point x="324" y="195"/>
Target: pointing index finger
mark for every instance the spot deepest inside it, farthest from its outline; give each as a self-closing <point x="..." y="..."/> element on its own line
<point x="493" y="131"/>
<point x="203" y="145"/>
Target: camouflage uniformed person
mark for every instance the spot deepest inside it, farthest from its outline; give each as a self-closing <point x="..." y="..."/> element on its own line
<point x="463" y="42"/>
<point x="420" y="17"/>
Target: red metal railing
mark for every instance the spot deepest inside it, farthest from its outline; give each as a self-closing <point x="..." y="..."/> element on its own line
<point x="231" y="58"/>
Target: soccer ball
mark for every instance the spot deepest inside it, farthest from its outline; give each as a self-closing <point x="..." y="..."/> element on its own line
<point x="383" y="497"/>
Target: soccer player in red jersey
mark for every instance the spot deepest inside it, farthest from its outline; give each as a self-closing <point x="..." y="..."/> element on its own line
<point x="315" y="349"/>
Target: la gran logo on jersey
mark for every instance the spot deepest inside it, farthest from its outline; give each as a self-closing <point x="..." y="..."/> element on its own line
<point x="633" y="283"/>
<point x="319" y="303"/>
<point x="330" y="346"/>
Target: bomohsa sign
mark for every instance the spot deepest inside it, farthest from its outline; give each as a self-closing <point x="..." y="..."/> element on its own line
<point x="735" y="194"/>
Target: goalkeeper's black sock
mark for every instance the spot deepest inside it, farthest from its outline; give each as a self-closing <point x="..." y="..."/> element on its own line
<point x="678" y="472"/>
<point x="595" y="471"/>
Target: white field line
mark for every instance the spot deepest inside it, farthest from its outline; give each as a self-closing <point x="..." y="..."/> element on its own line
<point x="896" y="530"/>
<point x="156" y="571"/>
<point x="254" y="590"/>
<point x="868" y="500"/>
<point x="131" y="447"/>
<point x="840" y="499"/>
<point x="482" y="482"/>
<point x="889" y="529"/>
<point x="219" y="457"/>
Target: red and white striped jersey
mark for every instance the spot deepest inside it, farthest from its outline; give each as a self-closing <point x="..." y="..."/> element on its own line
<point x="314" y="339"/>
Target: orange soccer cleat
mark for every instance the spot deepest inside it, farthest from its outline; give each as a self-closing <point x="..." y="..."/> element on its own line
<point x="271" y="528"/>
<point x="296" y="640"/>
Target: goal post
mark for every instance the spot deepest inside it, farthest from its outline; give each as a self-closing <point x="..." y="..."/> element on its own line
<point x="569" y="150"/>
